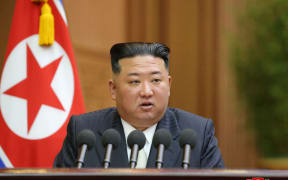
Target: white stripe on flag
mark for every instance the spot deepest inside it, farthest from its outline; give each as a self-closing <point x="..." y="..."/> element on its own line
<point x="5" y="159"/>
<point x="60" y="8"/>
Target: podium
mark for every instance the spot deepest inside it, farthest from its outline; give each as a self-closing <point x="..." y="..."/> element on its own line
<point x="140" y="174"/>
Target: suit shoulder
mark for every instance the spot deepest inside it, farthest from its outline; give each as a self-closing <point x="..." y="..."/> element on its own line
<point x="98" y="113"/>
<point x="187" y="120"/>
<point x="94" y="119"/>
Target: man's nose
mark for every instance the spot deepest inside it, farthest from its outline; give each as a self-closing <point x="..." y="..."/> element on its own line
<point x="146" y="90"/>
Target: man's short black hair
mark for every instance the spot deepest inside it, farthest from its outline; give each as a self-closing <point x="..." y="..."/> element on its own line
<point x="132" y="49"/>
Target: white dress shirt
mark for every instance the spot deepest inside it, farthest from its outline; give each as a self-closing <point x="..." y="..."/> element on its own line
<point x="149" y="133"/>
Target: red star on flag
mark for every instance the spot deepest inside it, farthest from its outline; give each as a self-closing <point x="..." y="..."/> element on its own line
<point x="41" y="92"/>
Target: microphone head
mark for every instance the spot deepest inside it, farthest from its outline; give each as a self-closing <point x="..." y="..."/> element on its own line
<point x="136" y="137"/>
<point x="187" y="136"/>
<point x="87" y="137"/>
<point x="111" y="136"/>
<point x="162" y="136"/>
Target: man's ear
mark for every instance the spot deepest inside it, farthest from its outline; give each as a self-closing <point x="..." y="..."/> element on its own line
<point x="112" y="88"/>
<point x="170" y="81"/>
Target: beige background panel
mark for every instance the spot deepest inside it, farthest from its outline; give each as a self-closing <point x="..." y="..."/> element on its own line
<point x="95" y="72"/>
<point x="182" y="40"/>
<point x="6" y="13"/>
<point x="96" y="24"/>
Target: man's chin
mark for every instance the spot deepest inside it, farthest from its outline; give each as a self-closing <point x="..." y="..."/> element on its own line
<point x="147" y="119"/>
<point x="145" y="115"/>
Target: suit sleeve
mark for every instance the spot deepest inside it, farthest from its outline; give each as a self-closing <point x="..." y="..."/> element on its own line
<point x="68" y="154"/>
<point x="210" y="153"/>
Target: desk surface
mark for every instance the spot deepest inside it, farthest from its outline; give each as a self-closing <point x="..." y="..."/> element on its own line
<point x="139" y="174"/>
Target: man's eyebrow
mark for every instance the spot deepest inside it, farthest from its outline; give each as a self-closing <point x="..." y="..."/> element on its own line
<point x="138" y="74"/>
<point x="156" y="72"/>
<point x="133" y="74"/>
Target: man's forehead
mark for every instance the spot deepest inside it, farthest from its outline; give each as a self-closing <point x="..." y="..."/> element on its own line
<point x="139" y="73"/>
<point x="146" y="61"/>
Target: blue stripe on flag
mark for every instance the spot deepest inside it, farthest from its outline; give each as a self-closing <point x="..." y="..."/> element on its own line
<point x="4" y="161"/>
<point x="60" y="8"/>
<point x="1" y="164"/>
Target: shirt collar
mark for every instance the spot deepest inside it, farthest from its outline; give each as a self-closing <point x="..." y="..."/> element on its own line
<point x="149" y="132"/>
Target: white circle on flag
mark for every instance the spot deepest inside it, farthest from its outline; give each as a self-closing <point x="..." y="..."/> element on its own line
<point x="14" y="109"/>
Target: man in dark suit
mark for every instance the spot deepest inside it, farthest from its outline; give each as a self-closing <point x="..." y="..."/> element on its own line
<point x="141" y="88"/>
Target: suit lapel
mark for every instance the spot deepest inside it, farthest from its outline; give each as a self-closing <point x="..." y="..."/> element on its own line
<point x="172" y="154"/>
<point x="119" y="158"/>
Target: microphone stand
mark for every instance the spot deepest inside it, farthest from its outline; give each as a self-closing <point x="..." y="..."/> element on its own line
<point x="186" y="156"/>
<point x="80" y="161"/>
<point x="107" y="155"/>
<point x="160" y="153"/>
<point x="134" y="156"/>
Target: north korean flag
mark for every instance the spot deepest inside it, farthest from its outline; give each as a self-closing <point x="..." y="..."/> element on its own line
<point x="39" y="89"/>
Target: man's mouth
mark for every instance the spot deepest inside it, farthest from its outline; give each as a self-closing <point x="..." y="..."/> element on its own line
<point x="146" y="105"/>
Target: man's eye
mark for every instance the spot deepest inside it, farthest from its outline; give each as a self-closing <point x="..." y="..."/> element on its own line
<point x="156" y="80"/>
<point x="134" y="82"/>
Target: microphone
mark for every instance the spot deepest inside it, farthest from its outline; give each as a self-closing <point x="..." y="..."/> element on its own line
<point x="136" y="141"/>
<point x="161" y="140"/>
<point x="85" y="141"/>
<point x="187" y="140"/>
<point x="110" y="140"/>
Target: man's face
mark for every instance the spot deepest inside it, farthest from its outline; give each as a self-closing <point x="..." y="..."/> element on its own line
<point x="141" y="90"/>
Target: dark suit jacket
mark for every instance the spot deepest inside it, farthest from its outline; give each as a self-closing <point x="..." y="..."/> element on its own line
<point x="206" y="153"/>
